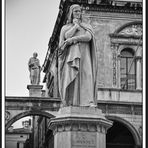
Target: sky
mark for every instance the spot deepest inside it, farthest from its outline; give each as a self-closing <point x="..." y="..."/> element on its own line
<point x="29" y="26"/>
<point x="18" y="123"/>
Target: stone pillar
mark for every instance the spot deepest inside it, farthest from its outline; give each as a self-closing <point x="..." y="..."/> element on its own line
<point x="35" y="90"/>
<point x="138" y="73"/>
<point x="138" y="69"/>
<point x="79" y="127"/>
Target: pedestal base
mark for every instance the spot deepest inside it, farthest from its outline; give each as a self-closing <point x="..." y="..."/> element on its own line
<point x="35" y="90"/>
<point x="79" y="127"/>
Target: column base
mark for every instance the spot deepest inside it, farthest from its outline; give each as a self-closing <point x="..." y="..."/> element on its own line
<point x="79" y="127"/>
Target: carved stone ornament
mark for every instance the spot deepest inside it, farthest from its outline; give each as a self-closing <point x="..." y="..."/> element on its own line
<point x="132" y="30"/>
<point x="74" y="120"/>
<point x="7" y="115"/>
<point x="114" y="48"/>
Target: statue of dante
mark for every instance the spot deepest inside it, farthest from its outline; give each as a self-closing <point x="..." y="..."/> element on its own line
<point x="77" y="61"/>
<point x="35" y="69"/>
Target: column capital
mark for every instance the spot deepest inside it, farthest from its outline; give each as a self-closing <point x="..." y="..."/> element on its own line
<point x="138" y="57"/>
<point x="88" y="119"/>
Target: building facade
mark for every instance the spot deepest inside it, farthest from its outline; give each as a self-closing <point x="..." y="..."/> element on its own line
<point x="118" y="32"/>
<point x="18" y="138"/>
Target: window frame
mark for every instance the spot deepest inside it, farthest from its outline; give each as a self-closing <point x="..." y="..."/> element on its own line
<point x="127" y="66"/>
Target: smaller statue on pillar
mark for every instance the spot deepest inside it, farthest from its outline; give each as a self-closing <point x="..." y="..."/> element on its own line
<point x="35" y="69"/>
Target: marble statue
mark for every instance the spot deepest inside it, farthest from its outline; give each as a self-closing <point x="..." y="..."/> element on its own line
<point x="35" y="69"/>
<point x="77" y="61"/>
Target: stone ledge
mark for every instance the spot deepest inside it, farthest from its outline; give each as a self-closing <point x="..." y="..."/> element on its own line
<point x="83" y="127"/>
<point x="84" y="111"/>
<point x="118" y="89"/>
<point x="34" y="86"/>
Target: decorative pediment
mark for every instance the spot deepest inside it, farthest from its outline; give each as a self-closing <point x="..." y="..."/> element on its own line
<point x="130" y="34"/>
<point x="135" y="30"/>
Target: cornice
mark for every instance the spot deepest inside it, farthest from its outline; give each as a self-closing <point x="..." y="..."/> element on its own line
<point x="79" y="124"/>
<point x="114" y="35"/>
<point x="111" y="9"/>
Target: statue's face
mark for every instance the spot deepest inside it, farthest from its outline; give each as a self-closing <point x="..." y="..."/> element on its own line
<point x="77" y="13"/>
<point x="35" y="55"/>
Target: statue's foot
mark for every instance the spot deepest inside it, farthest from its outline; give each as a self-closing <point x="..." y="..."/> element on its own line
<point x="64" y="104"/>
<point x="92" y="104"/>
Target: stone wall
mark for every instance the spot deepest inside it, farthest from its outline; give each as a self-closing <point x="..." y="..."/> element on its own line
<point x="119" y="95"/>
<point x="105" y="23"/>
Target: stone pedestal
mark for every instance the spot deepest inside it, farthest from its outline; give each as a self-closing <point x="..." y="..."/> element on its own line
<point x="79" y="127"/>
<point x="35" y="90"/>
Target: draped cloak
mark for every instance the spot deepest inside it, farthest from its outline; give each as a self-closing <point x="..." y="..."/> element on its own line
<point x="69" y="69"/>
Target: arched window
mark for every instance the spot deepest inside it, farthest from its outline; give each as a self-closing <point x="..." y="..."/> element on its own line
<point x="127" y="69"/>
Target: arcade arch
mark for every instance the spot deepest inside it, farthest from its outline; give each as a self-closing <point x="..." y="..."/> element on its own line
<point x="122" y="134"/>
<point x="28" y="113"/>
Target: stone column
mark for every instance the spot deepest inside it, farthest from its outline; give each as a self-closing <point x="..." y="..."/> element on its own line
<point x="138" y="73"/>
<point x="79" y="127"/>
<point x="138" y="69"/>
<point x="35" y="90"/>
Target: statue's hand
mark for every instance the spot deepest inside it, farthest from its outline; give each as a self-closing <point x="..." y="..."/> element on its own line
<point x="76" y="23"/>
<point x="69" y="41"/>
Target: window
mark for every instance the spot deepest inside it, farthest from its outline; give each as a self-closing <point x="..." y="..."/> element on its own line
<point x="127" y="70"/>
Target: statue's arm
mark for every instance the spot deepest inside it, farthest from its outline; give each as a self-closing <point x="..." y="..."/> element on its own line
<point x="82" y="38"/>
<point x="70" y="33"/>
<point x="62" y="38"/>
<point x="40" y="68"/>
<point x="29" y="64"/>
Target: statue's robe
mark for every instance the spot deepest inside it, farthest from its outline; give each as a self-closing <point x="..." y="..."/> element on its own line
<point x="77" y="71"/>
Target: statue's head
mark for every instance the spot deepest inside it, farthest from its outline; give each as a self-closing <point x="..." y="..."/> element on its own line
<point x="35" y="54"/>
<point x="75" y="11"/>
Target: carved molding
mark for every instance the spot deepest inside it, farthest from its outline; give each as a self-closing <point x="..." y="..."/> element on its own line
<point x="135" y="29"/>
<point x="114" y="48"/>
<point x="126" y="41"/>
<point x="7" y="116"/>
<point x="84" y="125"/>
<point x="110" y="8"/>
